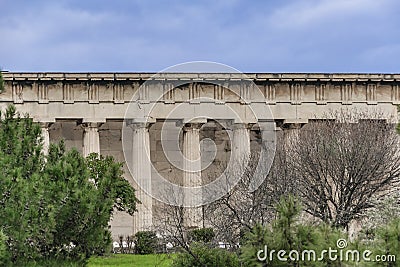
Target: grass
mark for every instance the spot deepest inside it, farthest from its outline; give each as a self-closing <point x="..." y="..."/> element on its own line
<point x="129" y="260"/>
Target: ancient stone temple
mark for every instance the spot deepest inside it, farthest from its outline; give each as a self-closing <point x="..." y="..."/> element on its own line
<point x="179" y="125"/>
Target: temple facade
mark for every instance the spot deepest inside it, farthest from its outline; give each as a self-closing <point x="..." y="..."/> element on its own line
<point x="184" y="127"/>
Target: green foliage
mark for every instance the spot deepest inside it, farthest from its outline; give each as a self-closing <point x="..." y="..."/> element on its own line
<point x="204" y="235"/>
<point x="381" y="231"/>
<point x="255" y="240"/>
<point x="386" y="241"/>
<point x="202" y="255"/>
<point x="288" y="210"/>
<point x="4" y="254"/>
<point x="59" y="206"/>
<point x="288" y="234"/>
<point x="145" y="242"/>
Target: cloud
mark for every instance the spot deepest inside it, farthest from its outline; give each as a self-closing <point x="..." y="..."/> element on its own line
<point x="280" y="36"/>
<point x="304" y="14"/>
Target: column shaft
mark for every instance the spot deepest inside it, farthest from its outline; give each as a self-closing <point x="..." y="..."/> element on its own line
<point x="91" y="139"/>
<point x="46" y="137"/>
<point x="192" y="174"/>
<point x="291" y="132"/>
<point x="143" y="219"/>
<point x="241" y="143"/>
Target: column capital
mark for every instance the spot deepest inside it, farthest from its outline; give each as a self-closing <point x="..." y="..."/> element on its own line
<point x="93" y="120"/>
<point x="268" y="125"/>
<point x="138" y="125"/>
<point x="294" y="123"/>
<point x="45" y="124"/>
<point x="242" y="125"/>
<point x="91" y="125"/>
<point x="192" y="126"/>
<point x="292" y="126"/>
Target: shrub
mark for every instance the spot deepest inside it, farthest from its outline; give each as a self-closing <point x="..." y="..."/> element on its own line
<point x="287" y="233"/>
<point x="204" y="235"/>
<point x="201" y="255"/>
<point x="145" y="242"/>
<point x="387" y="242"/>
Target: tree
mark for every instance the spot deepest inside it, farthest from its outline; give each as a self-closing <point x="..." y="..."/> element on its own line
<point x="383" y="210"/>
<point x="171" y="226"/>
<point x="340" y="163"/>
<point x="288" y="233"/>
<point x="56" y="206"/>
<point x="240" y="209"/>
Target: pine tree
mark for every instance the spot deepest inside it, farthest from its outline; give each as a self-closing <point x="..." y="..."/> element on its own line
<point x="56" y="206"/>
<point x="287" y="233"/>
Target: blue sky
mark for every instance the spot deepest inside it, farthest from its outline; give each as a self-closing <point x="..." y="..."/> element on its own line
<point x="251" y="36"/>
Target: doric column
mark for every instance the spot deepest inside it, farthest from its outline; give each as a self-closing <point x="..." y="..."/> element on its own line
<point x="266" y="155"/>
<point x="46" y="137"/>
<point x="143" y="219"/>
<point x="192" y="173"/>
<point x="291" y="132"/>
<point x="91" y="140"/>
<point x="241" y="142"/>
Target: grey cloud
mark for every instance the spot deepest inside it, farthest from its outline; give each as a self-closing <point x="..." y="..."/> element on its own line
<point x="282" y="36"/>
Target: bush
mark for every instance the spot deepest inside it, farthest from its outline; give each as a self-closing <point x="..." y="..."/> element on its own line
<point x="387" y="242"/>
<point x="201" y="255"/>
<point x="287" y="233"/>
<point x="145" y="242"/>
<point x="4" y="253"/>
<point x="204" y="235"/>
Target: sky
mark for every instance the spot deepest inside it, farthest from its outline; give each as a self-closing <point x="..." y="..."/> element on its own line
<point x="250" y="36"/>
